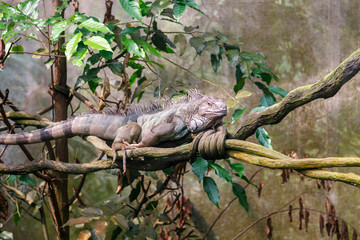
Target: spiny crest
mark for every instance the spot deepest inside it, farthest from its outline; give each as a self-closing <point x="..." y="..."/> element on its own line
<point x="155" y="106"/>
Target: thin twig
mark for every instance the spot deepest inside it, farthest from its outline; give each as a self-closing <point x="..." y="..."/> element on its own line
<point x="78" y="190"/>
<point x="38" y="54"/>
<point x="204" y="80"/>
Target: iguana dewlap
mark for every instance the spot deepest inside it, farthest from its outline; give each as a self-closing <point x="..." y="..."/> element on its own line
<point x="144" y="128"/>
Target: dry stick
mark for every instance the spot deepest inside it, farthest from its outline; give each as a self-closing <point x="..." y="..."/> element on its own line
<point x="7" y="54"/>
<point x="147" y="198"/>
<point x="325" y="88"/>
<point x="228" y="205"/>
<point x="43" y="223"/>
<point x="54" y="210"/>
<point x="38" y="54"/>
<point x="45" y="110"/>
<point x="78" y="190"/>
<point x="82" y="98"/>
<point x="8" y="102"/>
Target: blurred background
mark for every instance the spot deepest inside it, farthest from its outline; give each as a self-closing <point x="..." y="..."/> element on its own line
<point x="303" y="41"/>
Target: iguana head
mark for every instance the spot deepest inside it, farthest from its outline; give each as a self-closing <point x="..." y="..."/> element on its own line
<point x="203" y="112"/>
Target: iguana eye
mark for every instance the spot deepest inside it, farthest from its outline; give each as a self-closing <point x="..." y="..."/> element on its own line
<point x="209" y="103"/>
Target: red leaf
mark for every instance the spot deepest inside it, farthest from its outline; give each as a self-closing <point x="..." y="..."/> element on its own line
<point x="260" y="189"/>
<point x="307" y="215"/>
<point x="321" y="225"/>
<point x="354" y="236"/>
<point x="290" y="213"/>
<point x="269" y="229"/>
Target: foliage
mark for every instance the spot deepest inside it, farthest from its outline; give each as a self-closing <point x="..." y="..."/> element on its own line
<point x="134" y="47"/>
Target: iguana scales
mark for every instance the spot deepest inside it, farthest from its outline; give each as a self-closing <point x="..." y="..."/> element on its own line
<point x="140" y="128"/>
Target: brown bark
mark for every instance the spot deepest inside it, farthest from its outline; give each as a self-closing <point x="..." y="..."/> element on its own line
<point x="61" y="145"/>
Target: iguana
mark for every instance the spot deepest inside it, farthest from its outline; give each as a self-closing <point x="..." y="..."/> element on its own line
<point x="146" y="127"/>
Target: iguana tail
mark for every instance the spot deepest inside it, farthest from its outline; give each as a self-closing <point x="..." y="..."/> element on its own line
<point x="54" y="131"/>
<point x="101" y="125"/>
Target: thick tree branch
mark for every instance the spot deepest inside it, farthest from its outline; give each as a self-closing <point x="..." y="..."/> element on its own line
<point x="162" y="158"/>
<point x="325" y="88"/>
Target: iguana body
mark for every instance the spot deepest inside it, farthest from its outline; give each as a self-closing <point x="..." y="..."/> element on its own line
<point x="138" y="129"/>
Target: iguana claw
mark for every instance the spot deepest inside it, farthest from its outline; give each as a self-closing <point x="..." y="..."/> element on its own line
<point x="120" y="146"/>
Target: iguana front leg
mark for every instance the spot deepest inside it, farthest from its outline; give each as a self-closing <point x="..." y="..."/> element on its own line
<point x="125" y="136"/>
<point x="152" y="136"/>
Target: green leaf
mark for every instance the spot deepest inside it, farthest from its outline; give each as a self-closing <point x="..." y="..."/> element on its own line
<point x="116" y="68"/>
<point x="240" y="193"/>
<point x="106" y="54"/>
<point x="99" y="43"/>
<point x="211" y="190"/>
<point x="263" y="137"/>
<point x="243" y="177"/>
<point x="135" y="192"/>
<point x="160" y="40"/>
<point x="258" y="109"/>
<point x="168" y="171"/>
<point x="130" y="30"/>
<point x="5" y="235"/>
<point x="158" y="64"/>
<point x="212" y="47"/>
<point x="232" y="47"/>
<point x="231" y="103"/>
<point x="193" y="5"/>
<point x="17" y="50"/>
<point x="11" y="178"/>
<point x="93" y="83"/>
<point x="134" y="65"/>
<point x="31" y="36"/>
<point x="232" y="55"/>
<point x="199" y="168"/>
<point x="267" y="101"/>
<point x="132" y="47"/>
<point x="39" y="52"/>
<point x="215" y="62"/>
<point x="149" y="48"/>
<point x="178" y="10"/>
<point x="133" y="77"/>
<point x="72" y="45"/>
<point x="27" y="179"/>
<point x="237" y="167"/>
<point x="79" y="56"/>
<point x="198" y="44"/>
<point x="237" y="114"/>
<point x="28" y="7"/>
<point x="16" y="217"/>
<point x="132" y="8"/>
<point x="58" y="28"/>
<point x="151" y="205"/>
<point x="62" y="7"/>
<point x="48" y="63"/>
<point x="266" y="77"/>
<point x="221" y="172"/>
<point x="240" y="80"/>
<point x="181" y="39"/>
<point x="277" y="90"/>
<point x="94" y="26"/>
<point x="243" y="94"/>
<point x="144" y="9"/>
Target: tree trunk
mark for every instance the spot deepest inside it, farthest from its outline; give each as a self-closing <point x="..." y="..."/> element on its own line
<point x="60" y="108"/>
